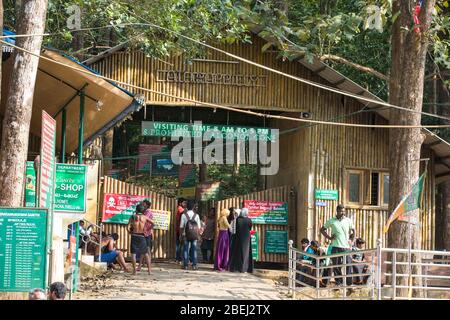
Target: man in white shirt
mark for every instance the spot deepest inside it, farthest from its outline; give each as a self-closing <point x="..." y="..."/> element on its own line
<point x="190" y="237"/>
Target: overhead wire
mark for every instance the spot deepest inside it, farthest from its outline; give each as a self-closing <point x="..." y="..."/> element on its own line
<point x="213" y="105"/>
<point x="309" y="82"/>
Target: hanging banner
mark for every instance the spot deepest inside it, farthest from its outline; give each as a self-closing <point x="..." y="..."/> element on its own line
<point x="47" y="161"/>
<point x="255" y="248"/>
<point x="30" y="185"/>
<point x="165" y="129"/>
<point x="208" y="191"/>
<point x="187" y="176"/>
<point x="118" y="208"/>
<point x="161" y="218"/>
<point x="266" y="212"/>
<point x="187" y="193"/>
<point x="23" y="254"/>
<point x="70" y="191"/>
<point x="162" y="165"/>
<point x="145" y="153"/>
<point x="276" y="241"/>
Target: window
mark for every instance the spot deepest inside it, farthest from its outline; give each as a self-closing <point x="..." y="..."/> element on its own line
<point x="355" y="187"/>
<point x="385" y="188"/>
<point x="367" y="187"/>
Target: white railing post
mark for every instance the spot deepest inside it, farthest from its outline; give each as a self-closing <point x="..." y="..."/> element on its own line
<point x="394" y="275"/>
<point x="344" y="278"/>
<point x="379" y="261"/>
<point x="100" y="243"/>
<point x="295" y="274"/>
<point x="290" y="242"/>
<point x="317" y="278"/>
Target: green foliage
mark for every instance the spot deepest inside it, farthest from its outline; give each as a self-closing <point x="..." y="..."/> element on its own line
<point x="232" y="185"/>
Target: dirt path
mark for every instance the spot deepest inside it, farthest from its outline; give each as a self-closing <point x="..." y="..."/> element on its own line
<point x="170" y="282"/>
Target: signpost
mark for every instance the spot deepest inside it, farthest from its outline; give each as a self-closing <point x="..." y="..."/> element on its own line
<point x="187" y="193"/>
<point x="327" y="194"/>
<point x="118" y="208"/>
<point x="276" y="241"/>
<point x="165" y="129"/>
<point x="30" y="185"/>
<point x="266" y="212"/>
<point x="70" y="194"/>
<point x="23" y="254"/>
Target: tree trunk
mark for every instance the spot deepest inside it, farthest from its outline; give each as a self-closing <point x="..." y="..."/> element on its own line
<point x="408" y="55"/>
<point x="19" y="102"/>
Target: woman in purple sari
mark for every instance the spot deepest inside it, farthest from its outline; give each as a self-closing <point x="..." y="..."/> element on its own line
<point x="223" y="242"/>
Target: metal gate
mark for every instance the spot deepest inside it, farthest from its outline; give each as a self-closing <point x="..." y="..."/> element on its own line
<point x="280" y="194"/>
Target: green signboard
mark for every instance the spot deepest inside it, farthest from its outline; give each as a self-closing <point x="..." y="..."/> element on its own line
<point x="30" y="185"/>
<point x="276" y="241"/>
<point x="23" y="234"/>
<point x="70" y="191"/>
<point x="255" y="251"/>
<point x="196" y="130"/>
<point x="327" y="194"/>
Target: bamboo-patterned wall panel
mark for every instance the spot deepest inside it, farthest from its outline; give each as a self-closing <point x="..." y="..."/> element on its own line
<point x="280" y="194"/>
<point x="270" y="91"/>
<point x="163" y="241"/>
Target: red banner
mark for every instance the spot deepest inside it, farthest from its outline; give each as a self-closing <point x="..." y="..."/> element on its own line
<point x="118" y="208"/>
<point x="47" y="159"/>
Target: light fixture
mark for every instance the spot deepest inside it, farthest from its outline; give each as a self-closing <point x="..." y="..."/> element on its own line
<point x="99" y="105"/>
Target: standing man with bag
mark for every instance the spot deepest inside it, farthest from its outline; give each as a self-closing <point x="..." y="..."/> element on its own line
<point x="189" y="234"/>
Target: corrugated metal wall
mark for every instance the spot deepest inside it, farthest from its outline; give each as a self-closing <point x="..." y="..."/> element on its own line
<point x="285" y="194"/>
<point x="163" y="241"/>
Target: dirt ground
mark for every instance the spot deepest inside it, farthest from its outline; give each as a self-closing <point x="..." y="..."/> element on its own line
<point x="169" y="282"/>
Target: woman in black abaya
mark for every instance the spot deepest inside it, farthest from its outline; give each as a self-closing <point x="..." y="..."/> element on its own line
<point x="241" y="259"/>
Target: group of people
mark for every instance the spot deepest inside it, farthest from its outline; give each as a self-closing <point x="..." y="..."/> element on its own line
<point x="233" y="247"/>
<point x="342" y="241"/>
<point x="57" y="291"/>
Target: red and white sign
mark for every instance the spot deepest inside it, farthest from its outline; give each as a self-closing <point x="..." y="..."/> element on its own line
<point x="118" y="208"/>
<point x="47" y="160"/>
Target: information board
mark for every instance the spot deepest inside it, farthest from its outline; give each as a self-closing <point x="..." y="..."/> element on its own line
<point x="47" y="161"/>
<point x="30" y="185"/>
<point x="70" y="191"/>
<point x="254" y="239"/>
<point x="161" y="218"/>
<point x="266" y="212"/>
<point x="23" y="234"/>
<point x="208" y="191"/>
<point x="276" y="241"/>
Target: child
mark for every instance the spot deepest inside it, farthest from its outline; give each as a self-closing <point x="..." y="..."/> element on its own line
<point x="359" y="258"/>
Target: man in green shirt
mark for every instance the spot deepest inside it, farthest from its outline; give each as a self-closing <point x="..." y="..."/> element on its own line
<point x="342" y="230"/>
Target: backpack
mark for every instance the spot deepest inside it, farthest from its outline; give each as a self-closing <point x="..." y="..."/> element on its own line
<point x="191" y="228"/>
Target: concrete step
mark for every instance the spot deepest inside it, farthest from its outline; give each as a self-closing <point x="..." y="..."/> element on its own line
<point x="89" y="267"/>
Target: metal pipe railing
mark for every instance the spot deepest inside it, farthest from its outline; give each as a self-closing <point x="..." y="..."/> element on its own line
<point x="312" y="274"/>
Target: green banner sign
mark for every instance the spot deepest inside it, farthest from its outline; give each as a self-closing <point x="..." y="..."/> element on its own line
<point x="255" y="251"/>
<point x="276" y="241"/>
<point x="327" y="194"/>
<point x="70" y="193"/>
<point x="23" y="235"/>
<point x="196" y="130"/>
<point x="30" y="185"/>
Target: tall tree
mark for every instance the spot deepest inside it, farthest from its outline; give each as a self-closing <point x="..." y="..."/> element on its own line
<point x="409" y="44"/>
<point x="19" y="102"/>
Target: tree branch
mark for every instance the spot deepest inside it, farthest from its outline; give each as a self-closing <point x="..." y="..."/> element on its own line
<point x="369" y="70"/>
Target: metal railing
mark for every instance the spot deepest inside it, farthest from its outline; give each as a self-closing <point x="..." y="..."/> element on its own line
<point x="310" y="275"/>
<point x="87" y="238"/>
<point x="420" y="279"/>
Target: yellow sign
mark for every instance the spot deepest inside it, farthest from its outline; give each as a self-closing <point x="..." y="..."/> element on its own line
<point x="187" y="192"/>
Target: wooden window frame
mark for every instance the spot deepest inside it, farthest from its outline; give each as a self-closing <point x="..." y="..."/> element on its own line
<point x="364" y="191"/>
<point x="360" y="172"/>
<point x="381" y="195"/>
